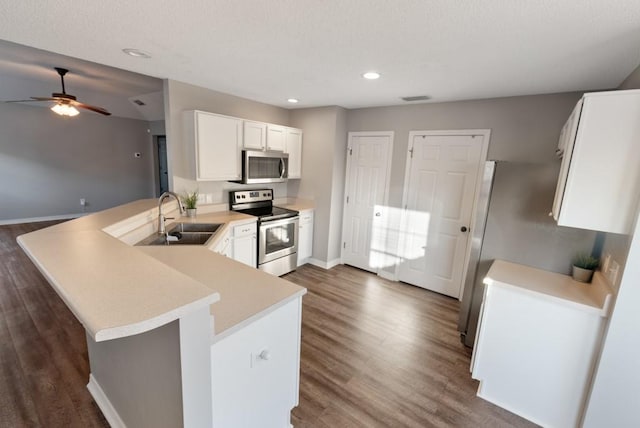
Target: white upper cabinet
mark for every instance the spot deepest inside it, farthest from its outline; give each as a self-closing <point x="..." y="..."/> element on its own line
<point x="293" y="146"/>
<point x="213" y="146"/>
<point x="599" y="180"/>
<point x="275" y="138"/>
<point x="255" y="135"/>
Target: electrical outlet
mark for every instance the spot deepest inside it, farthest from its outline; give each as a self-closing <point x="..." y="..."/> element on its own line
<point x="605" y="262"/>
<point x="612" y="272"/>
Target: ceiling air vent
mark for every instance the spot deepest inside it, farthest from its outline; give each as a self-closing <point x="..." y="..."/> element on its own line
<point x="417" y="98"/>
<point x="140" y="103"/>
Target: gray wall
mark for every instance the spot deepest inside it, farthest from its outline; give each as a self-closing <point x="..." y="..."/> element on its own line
<point x="523" y="129"/>
<point x="323" y="150"/>
<point x="47" y="163"/>
<point x="179" y="97"/>
<point x="337" y="187"/>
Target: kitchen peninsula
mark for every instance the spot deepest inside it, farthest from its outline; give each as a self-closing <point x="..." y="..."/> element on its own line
<point x="177" y="336"/>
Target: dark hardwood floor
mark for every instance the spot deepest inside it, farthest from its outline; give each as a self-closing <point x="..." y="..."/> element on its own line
<point x="377" y="353"/>
<point x="374" y="353"/>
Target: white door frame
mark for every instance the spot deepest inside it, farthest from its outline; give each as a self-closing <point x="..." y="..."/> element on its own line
<point x="486" y="135"/>
<point x="389" y="134"/>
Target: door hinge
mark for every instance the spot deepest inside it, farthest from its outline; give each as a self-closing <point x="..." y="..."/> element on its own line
<point x="411" y="152"/>
<point x="347" y="199"/>
<point x="344" y="245"/>
<point x="350" y="151"/>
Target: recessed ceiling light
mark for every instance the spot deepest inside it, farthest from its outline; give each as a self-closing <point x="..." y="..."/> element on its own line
<point x="371" y="75"/>
<point x="136" y="53"/>
<point x="292" y="100"/>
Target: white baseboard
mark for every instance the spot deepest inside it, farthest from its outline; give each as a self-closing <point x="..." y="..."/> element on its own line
<point x="323" y="264"/>
<point x="104" y="404"/>
<point x="39" y="219"/>
<point x="387" y="275"/>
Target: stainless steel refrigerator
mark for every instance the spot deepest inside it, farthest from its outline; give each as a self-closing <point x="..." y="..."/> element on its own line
<point x="512" y="223"/>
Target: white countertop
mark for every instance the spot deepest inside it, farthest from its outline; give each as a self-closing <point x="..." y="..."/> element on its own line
<point x="594" y="297"/>
<point x="295" y="204"/>
<point x="117" y="290"/>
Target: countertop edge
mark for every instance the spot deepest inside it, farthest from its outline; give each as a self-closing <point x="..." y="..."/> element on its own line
<point x="155" y="322"/>
<point x="215" y="338"/>
<point x="602" y="310"/>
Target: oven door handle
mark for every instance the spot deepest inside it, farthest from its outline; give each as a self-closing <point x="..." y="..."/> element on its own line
<point x="278" y="222"/>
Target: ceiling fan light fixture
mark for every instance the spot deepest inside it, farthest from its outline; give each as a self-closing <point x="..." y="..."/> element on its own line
<point x="292" y="100"/>
<point x="137" y="53"/>
<point x="65" y="110"/>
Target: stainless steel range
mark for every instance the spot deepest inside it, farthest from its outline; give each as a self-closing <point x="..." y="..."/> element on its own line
<point x="277" y="229"/>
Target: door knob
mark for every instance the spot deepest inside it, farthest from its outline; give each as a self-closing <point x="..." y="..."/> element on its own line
<point x="463" y="229"/>
<point x="377" y="214"/>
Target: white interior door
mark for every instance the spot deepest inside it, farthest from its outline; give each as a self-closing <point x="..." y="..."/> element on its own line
<point x="366" y="191"/>
<point x="442" y="173"/>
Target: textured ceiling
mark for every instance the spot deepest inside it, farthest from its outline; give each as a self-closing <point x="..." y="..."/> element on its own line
<point x="316" y="50"/>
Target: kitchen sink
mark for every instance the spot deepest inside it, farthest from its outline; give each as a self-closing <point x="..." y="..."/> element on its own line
<point x="195" y="227"/>
<point x="184" y="234"/>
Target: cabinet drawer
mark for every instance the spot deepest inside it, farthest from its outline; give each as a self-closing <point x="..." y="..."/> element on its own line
<point x="306" y="216"/>
<point x="244" y="230"/>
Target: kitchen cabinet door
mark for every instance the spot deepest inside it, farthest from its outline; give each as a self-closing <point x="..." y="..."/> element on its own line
<point x="305" y="236"/>
<point x="245" y="248"/>
<point x="599" y="181"/>
<point x="214" y="144"/>
<point x="255" y="371"/>
<point x="275" y="138"/>
<point x="255" y="135"/>
<point x="534" y="357"/>
<point x="293" y="146"/>
<point x="224" y="246"/>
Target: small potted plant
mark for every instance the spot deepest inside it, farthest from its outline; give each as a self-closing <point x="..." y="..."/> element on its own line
<point x="190" y="200"/>
<point x="583" y="267"/>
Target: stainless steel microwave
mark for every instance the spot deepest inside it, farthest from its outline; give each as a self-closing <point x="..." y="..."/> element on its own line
<point x="264" y="167"/>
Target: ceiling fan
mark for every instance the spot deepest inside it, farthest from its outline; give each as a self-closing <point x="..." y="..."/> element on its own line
<point x="65" y="103"/>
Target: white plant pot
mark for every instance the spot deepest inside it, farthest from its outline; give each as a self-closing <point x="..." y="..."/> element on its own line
<point x="191" y="212"/>
<point x="582" y="275"/>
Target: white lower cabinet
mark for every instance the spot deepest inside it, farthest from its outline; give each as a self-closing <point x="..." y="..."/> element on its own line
<point x="240" y="244"/>
<point x="305" y="236"/>
<point x="255" y="371"/>
<point x="534" y="356"/>
<point x="245" y="245"/>
<point x="224" y="246"/>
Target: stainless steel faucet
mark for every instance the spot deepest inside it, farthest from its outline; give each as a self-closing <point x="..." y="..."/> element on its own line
<point x="161" y="218"/>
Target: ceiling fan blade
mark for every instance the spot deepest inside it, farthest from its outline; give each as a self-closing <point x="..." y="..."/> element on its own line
<point x="90" y="107"/>
<point x="22" y="101"/>
<point x="45" y="98"/>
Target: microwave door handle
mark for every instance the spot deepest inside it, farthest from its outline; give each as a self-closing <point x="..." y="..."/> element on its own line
<point x="283" y="168"/>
